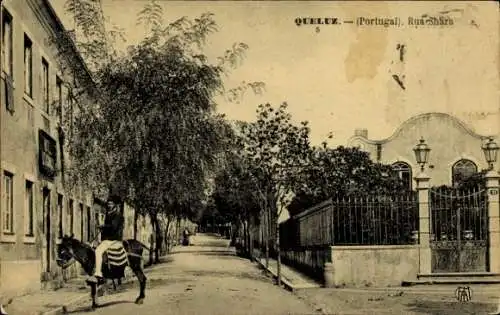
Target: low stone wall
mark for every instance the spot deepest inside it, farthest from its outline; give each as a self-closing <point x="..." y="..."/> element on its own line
<point x="310" y="260"/>
<point x="372" y="265"/>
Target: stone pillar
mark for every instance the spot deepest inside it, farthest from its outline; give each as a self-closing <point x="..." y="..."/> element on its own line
<point x="492" y="185"/>
<point x="424" y="223"/>
<point x="329" y="275"/>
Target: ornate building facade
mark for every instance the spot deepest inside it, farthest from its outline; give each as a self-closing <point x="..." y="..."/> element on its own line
<point x="455" y="148"/>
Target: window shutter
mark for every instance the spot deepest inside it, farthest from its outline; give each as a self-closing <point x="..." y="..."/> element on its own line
<point x="9" y="93"/>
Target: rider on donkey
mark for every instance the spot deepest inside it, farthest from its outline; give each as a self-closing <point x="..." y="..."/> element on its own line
<point x="111" y="232"/>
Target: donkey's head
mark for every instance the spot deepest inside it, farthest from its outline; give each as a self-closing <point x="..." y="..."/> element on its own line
<point x="66" y="251"/>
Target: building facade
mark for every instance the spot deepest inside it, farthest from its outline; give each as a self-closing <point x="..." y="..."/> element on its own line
<point x="36" y="209"/>
<point x="455" y="148"/>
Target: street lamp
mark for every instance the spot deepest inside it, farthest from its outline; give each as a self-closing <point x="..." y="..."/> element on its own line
<point x="490" y="150"/>
<point x="421" y="153"/>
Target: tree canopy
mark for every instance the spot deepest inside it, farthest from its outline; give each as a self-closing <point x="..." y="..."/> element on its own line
<point x="342" y="172"/>
<point x="154" y="135"/>
<point x="292" y="173"/>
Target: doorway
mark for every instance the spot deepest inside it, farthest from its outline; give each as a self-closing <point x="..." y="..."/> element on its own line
<point x="46" y="226"/>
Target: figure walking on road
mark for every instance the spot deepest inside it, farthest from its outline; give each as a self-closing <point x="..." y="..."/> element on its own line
<point x="185" y="237"/>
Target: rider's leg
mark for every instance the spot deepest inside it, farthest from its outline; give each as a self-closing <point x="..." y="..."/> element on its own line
<point x="99" y="251"/>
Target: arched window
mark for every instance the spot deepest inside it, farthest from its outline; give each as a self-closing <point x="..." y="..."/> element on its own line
<point x="404" y="172"/>
<point x="462" y="170"/>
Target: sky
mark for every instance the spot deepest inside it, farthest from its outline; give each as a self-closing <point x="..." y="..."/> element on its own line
<point x="340" y="78"/>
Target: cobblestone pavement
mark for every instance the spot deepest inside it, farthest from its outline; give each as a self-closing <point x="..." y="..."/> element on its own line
<point x="206" y="278"/>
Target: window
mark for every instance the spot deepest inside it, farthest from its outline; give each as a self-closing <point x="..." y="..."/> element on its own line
<point x="7" y="61"/>
<point x="71" y="216"/>
<point x="8" y="210"/>
<point x="404" y="172"/>
<point x="59" y="91"/>
<point x="60" y="215"/>
<point x="29" y="218"/>
<point x="462" y="170"/>
<point x="45" y="85"/>
<point x="28" y="66"/>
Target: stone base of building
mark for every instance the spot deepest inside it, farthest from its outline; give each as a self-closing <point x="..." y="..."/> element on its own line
<point x="19" y="277"/>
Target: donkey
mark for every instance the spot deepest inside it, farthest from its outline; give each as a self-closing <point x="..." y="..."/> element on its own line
<point x="71" y="249"/>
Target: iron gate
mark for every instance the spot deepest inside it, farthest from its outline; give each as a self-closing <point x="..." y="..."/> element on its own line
<point x="459" y="230"/>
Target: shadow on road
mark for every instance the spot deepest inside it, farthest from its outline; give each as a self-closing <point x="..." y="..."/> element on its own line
<point x="207" y="252"/>
<point x="88" y="309"/>
<point x="206" y="244"/>
<point x="448" y="308"/>
<point x="227" y="274"/>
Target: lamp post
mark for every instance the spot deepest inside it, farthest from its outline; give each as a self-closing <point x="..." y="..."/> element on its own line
<point x="490" y="150"/>
<point x="422" y="151"/>
<point x="424" y="227"/>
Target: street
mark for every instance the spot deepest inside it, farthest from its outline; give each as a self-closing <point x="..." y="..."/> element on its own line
<point x="206" y="278"/>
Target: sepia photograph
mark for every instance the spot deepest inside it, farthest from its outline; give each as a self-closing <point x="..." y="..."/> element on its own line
<point x="249" y="157"/>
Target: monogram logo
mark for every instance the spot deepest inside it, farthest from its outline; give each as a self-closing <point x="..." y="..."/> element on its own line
<point x="463" y="294"/>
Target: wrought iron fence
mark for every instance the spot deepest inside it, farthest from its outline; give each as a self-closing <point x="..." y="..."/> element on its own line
<point x="370" y="220"/>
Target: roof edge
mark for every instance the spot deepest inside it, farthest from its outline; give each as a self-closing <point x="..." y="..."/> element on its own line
<point x="64" y="31"/>
<point x="412" y="119"/>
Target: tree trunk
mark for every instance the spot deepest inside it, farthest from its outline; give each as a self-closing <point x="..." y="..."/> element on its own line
<point x="278" y="259"/>
<point x="267" y="234"/>
<point x="245" y="237"/>
<point x="178" y="229"/>
<point x="262" y="239"/>
<point x="151" y="240"/>
<point x="136" y="217"/>
<point x="158" y="239"/>
<point x="167" y="234"/>
<point x="250" y="239"/>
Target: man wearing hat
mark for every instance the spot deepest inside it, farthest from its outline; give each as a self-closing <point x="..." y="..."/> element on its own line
<point x="111" y="232"/>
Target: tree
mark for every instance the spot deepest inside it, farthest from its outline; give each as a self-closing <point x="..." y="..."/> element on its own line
<point x="234" y="196"/>
<point x="153" y="136"/>
<point x="342" y="172"/>
<point x="276" y="149"/>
